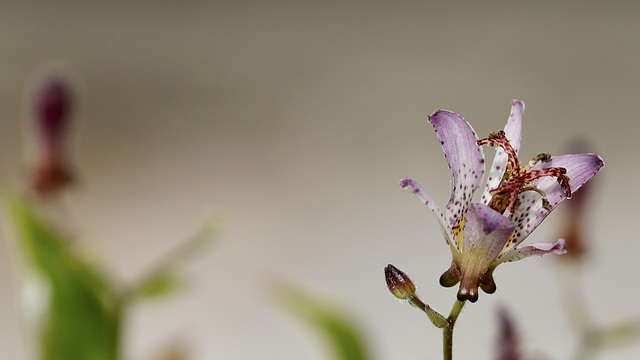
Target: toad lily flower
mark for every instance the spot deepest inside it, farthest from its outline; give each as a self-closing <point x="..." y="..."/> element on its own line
<point x="515" y="200"/>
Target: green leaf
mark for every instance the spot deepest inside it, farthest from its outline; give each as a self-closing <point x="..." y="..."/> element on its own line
<point x="438" y="320"/>
<point x="621" y="334"/>
<point x="344" y="337"/>
<point x="160" y="284"/>
<point x="82" y="315"/>
<point x="162" y="279"/>
<point x="208" y="232"/>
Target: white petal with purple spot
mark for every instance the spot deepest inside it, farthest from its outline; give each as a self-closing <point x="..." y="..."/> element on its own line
<point x="487" y="229"/>
<point x="465" y="159"/>
<point x="580" y="168"/>
<point x="419" y="191"/>
<point x="530" y="213"/>
<point x="525" y="251"/>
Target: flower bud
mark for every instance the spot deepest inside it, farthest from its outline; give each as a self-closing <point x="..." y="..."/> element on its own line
<point x="508" y="337"/>
<point x="399" y="283"/>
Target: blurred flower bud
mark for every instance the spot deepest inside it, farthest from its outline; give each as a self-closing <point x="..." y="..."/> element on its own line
<point x="52" y="109"/>
<point x="575" y="214"/>
<point x="399" y="283"/>
<point x="508" y="339"/>
<point x="52" y="106"/>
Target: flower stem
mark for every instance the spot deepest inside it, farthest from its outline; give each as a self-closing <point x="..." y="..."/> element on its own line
<point x="415" y="301"/>
<point x="569" y="272"/>
<point x="447" y="332"/>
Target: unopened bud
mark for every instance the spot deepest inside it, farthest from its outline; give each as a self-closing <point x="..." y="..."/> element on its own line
<point x="399" y="283"/>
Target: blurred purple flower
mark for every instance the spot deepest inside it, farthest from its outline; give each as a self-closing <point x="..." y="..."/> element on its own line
<point x="516" y="199"/>
<point x="52" y="107"/>
<point x="508" y="337"/>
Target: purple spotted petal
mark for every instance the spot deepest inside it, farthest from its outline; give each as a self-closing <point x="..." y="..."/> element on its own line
<point x="465" y="159"/>
<point x="522" y="252"/>
<point x="513" y="132"/>
<point x="580" y="168"/>
<point x="419" y="191"/>
<point x="487" y="229"/>
<point x="530" y="213"/>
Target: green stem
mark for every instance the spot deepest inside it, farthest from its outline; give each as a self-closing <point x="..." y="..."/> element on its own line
<point x="415" y="301"/>
<point x="573" y="296"/>
<point x="447" y="332"/>
<point x="576" y="309"/>
<point x="589" y="345"/>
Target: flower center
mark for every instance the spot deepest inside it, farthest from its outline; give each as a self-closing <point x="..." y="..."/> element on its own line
<point x="518" y="179"/>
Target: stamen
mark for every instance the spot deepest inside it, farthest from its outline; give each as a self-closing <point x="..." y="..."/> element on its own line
<point x="517" y="180"/>
<point x="544" y="157"/>
<point x="500" y="139"/>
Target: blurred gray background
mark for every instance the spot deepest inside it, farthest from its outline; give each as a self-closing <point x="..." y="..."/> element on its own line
<point x="296" y="120"/>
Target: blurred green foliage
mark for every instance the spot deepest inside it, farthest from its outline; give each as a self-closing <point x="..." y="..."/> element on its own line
<point x="343" y="335"/>
<point x="82" y="310"/>
<point x="82" y="315"/>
